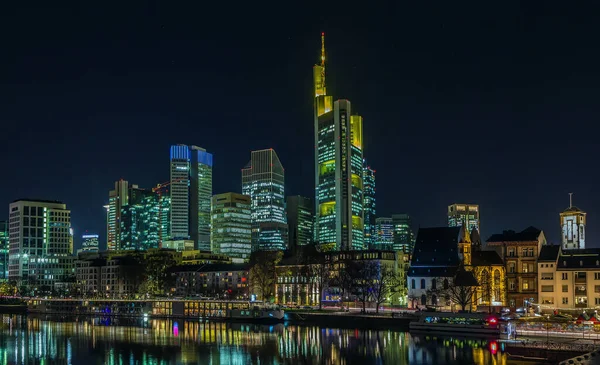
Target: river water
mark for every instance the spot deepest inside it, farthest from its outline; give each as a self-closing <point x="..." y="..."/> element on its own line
<point x="44" y="340"/>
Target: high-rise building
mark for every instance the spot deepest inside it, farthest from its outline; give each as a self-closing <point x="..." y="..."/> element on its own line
<point x="300" y="220"/>
<point x="139" y="228"/>
<point x="191" y="194"/>
<point x="117" y="199"/>
<point x="404" y="238"/>
<point x="90" y="243"/>
<point x="39" y="242"/>
<point x="3" y="250"/>
<point x="385" y="233"/>
<point x="459" y="213"/>
<point x="369" y="205"/>
<point x="572" y="222"/>
<point x="231" y="225"/>
<point x="263" y="181"/>
<point x="338" y="169"/>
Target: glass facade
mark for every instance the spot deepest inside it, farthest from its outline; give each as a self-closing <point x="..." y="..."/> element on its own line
<point x="369" y="206"/>
<point x="459" y="213"/>
<point x="385" y="233"/>
<point x="3" y="250"/>
<point x="191" y="194"/>
<point x="117" y="199"/>
<point x="404" y="238"/>
<point x="231" y="229"/>
<point x="140" y="221"/>
<point x="300" y="220"/>
<point x="90" y="242"/>
<point x="263" y="181"/>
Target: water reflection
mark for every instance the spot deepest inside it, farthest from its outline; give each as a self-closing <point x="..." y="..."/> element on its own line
<point x="44" y="340"/>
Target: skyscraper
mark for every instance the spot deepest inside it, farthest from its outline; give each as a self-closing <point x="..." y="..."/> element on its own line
<point x="263" y="180"/>
<point x="90" y="243"/>
<point x="231" y="225"/>
<point x="117" y="199"/>
<point x="191" y="194"/>
<point x="300" y="220"/>
<point x="385" y="233"/>
<point x="139" y="228"/>
<point x="39" y="242"/>
<point x="459" y="213"/>
<point x="338" y="169"/>
<point x="572" y="222"/>
<point x="4" y="250"/>
<point x="404" y="238"/>
<point x="369" y="205"/>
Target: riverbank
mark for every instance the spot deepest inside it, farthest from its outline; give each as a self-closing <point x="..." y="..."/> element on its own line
<point x="350" y="320"/>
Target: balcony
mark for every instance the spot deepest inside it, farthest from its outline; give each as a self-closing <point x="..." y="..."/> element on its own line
<point x="581" y="305"/>
<point x="580" y="291"/>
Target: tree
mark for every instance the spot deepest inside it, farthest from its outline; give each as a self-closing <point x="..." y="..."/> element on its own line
<point x="157" y="269"/>
<point x="385" y="283"/>
<point x="319" y="273"/>
<point x="262" y="272"/>
<point x="463" y="288"/>
<point x="343" y="280"/>
<point x="363" y="274"/>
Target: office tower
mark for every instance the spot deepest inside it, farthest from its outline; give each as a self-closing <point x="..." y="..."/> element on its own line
<point x="263" y="182"/>
<point x="300" y="220"/>
<point x="191" y="193"/>
<point x="369" y="205"/>
<point x="90" y="243"/>
<point x="459" y="213"/>
<point x="572" y="221"/>
<point x="117" y="199"/>
<point x="385" y="233"/>
<point x="404" y="238"/>
<point x="338" y="169"/>
<point x="3" y="250"/>
<point x="39" y="242"/>
<point x="231" y="225"/>
<point x="139" y="228"/>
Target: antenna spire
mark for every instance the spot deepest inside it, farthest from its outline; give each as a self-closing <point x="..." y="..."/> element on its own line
<point x="570" y="200"/>
<point x="323" y="49"/>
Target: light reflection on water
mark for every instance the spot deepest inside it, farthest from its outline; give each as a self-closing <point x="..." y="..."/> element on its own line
<point x="37" y="340"/>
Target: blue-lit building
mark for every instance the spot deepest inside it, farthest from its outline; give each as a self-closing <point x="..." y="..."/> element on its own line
<point x="191" y="194"/>
<point x="263" y="181"/>
<point x="89" y="243"/>
<point x="369" y="206"/>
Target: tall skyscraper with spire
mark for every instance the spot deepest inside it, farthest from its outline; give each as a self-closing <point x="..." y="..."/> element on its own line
<point x="339" y="215"/>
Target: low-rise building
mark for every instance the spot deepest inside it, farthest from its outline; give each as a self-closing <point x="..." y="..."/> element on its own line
<point x="228" y="281"/>
<point x="568" y="279"/>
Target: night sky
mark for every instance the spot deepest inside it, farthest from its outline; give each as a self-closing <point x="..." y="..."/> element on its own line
<point x="497" y="106"/>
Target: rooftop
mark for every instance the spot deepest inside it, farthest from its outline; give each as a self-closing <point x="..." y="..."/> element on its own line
<point x="528" y="234"/>
<point x="485" y="258"/>
<point x="549" y="253"/>
<point x="437" y="246"/>
<point x="211" y="268"/>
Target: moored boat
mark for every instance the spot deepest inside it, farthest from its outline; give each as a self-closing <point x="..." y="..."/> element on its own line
<point x="459" y="323"/>
<point x="258" y="312"/>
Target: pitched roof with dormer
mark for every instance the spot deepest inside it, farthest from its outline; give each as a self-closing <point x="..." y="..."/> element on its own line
<point x="436" y="252"/>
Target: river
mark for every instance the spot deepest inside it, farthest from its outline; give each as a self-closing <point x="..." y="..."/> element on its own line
<point x="44" y="340"/>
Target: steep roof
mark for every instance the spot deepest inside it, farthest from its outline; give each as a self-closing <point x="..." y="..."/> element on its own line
<point x="435" y="252"/>
<point x="577" y="259"/>
<point x="549" y="253"/>
<point x="475" y="237"/>
<point x="485" y="258"/>
<point x="465" y="278"/>
<point x="528" y="234"/>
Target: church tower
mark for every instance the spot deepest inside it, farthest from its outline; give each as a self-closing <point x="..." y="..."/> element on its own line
<point x="572" y="221"/>
<point x="464" y="246"/>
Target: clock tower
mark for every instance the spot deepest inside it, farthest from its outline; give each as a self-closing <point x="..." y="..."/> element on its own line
<point x="572" y="221"/>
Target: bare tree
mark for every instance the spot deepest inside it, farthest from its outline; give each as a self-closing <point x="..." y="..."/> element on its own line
<point x="363" y="274"/>
<point x="319" y="272"/>
<point x="262" y="272"/>
<point x="385" y="283"/>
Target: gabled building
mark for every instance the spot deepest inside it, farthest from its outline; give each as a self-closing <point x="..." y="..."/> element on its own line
<point x="519" y="251"/>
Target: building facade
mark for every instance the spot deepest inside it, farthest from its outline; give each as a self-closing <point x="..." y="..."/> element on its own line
<point x="404" y="238"/>
<point x="139" y="223"/>
<point x="117" y="199"/>
<point x="263" y="180"/>
<point x="231" y="225"/>
<point x="300" y="220"/>
<point x="191" y="194"/>
<point x="179" y="245"/>
<point x="459" y="213"/>
<point x="369" y="206"/>
<point x="40" y="242"/>
<point x="223" y="281"/>
<point x="339" y="222"/>
<point x="4" y="248"/>
<point x="572" y="222"/>
<point x="384" y="227"/>
<point x="519" y="251"/>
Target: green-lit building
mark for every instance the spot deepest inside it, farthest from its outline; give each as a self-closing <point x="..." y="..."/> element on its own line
<point x="404" y="237"/>
<point x="339" y="223"/>
<point x="263" y="181"/>
<point x="3" y="250"/>
<point x="300" y="220"/>
<point x="369" y="206"/>
<point x="139" y="223"/>
<point x="384" y="226"/>
<point x="231" y="227"/>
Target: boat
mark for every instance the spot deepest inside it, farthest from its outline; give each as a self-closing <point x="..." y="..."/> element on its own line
<point x="458" y="323"/>
<point x="257" y="312"/>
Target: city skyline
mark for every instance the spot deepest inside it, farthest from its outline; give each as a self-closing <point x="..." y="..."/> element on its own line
<point x="411" y="119"/>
